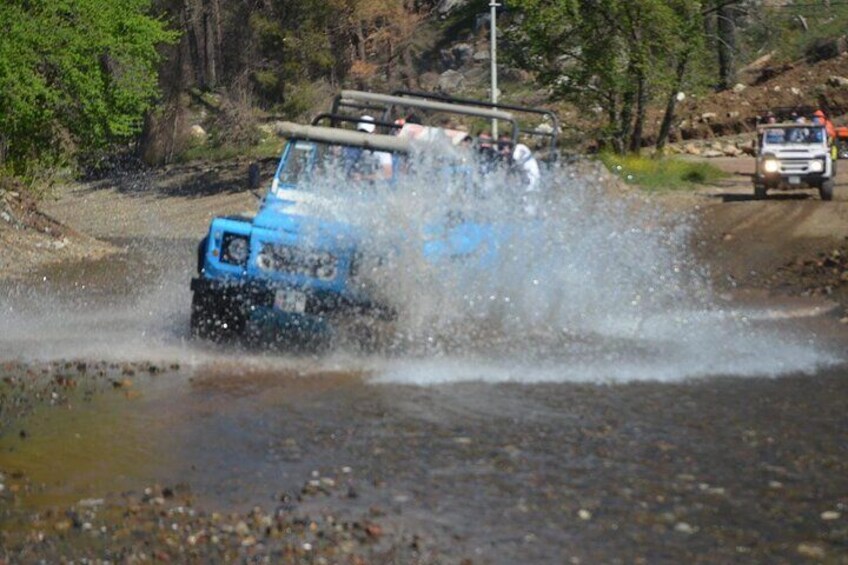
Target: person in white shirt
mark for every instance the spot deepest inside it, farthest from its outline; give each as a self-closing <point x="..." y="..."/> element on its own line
<point x="523" y="160"/>
<point x="383" y="159"/>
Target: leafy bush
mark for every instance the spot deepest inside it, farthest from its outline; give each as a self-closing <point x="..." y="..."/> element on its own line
<point x="75" y="75"/>
<point x="794" y="32"/>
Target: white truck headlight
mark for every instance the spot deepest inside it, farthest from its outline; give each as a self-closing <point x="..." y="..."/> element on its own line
<point x="771" y="165"/>
<point x="816" y="166"/>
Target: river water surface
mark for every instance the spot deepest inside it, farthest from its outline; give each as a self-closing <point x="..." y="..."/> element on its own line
<point x="589" y="417"/>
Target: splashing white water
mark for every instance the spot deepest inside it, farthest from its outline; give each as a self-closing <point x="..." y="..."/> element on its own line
<point x="573" y="284"/>
<point x="582" y="286"/>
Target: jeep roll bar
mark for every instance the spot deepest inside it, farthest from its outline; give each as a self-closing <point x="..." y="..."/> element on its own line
<point x="786" y="113"/>
<point x="386" y="103"/>
<point x="549" y="114"/>
<point x="340" y="136"/>
<point x="794" y="125"/>
<point x="334" y="119"/>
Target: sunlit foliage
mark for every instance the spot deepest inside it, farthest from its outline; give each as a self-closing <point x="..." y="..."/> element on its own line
<point x="75" y="75"/>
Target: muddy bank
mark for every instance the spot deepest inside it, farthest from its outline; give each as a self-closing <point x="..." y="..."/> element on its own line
<point x="32" y="239"/>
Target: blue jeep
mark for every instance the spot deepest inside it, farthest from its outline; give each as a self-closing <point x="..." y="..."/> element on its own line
<point x="295" y="269"/>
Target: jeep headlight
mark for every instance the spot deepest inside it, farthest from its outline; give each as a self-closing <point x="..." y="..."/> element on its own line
<point x="235" y="249"/>
<point x="265" y="258"/>
<point x="771" y="165"/>
<point x="816" y="166"/>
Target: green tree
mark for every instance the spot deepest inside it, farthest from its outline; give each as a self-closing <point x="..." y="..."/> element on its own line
<point x="612" y="57"/>
<point x="75" y="75"/>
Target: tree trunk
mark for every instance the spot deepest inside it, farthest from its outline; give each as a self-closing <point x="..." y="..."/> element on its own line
<point x="727" y="46"/>
<point x="194" y="49"/>
<point x="616" y="115"/>
<point x="625" y="124"/>
<point x="360" y="41"/>
<point x="641" y="109"/>
<point x="671" y="104"/>
<point x="212" y="34"/>
<point x="390" y="63"/>
<point x="408" y="75"/>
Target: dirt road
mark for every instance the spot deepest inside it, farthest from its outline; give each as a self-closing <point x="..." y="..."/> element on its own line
<point x="748" y="238"/>
<point x="713" y="434"/>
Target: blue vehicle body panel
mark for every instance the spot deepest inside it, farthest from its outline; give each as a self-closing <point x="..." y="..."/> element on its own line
<point x="301" y="248"/>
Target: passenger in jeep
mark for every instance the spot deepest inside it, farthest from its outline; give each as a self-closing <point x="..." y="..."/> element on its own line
<point x="365" y="164"/>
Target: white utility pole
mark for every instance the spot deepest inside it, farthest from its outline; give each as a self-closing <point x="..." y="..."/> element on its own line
<point x="493" y="4"/>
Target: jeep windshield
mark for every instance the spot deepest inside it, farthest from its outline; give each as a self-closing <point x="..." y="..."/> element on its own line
<point x="792" y="135"/>
<point x="310" y="165"/>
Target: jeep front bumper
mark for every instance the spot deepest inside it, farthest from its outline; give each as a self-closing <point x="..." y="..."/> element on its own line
<point x="256" y="296"/>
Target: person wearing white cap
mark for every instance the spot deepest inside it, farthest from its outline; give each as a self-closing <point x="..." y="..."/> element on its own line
<point x="366" y="124"/>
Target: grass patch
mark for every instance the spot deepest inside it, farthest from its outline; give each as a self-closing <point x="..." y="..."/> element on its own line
<point x="661" y="173"/>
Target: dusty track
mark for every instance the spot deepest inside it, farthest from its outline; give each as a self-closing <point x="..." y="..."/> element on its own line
<point x="170" y="203"/>
<point x="761" y="245"/>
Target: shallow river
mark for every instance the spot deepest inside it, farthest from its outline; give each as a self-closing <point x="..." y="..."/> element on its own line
<point x="661" y="437"/>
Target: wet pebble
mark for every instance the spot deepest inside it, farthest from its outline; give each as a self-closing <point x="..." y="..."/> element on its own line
<point x="684" y="528"/>
<point x="830" y="515"/>
<point x="811" y="550"/>
<point x="373" y="530"/>
<point x="248" y="541"/>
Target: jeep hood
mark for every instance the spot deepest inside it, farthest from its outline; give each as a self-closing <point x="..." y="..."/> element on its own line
<point x="312" y="217"/>
<point x="798" y="150"/>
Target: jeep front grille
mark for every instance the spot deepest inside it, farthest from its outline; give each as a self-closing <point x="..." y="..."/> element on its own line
<point x="795" y="166"/>
<point x="321" y="265"/>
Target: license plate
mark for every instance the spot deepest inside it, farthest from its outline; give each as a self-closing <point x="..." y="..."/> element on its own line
<point x="293" y="301"/>
<point x="794" y="180"/>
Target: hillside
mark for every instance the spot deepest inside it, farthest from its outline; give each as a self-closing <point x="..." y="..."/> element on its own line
<point x="448" y="51"/>
<point x="801" y="85"/>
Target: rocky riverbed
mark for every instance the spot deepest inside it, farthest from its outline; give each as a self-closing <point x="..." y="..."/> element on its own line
<point x="717" y="470"/>
<point x="123" y="440"/>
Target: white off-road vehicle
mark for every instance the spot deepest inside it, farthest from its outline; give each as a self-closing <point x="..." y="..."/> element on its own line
<point x="792" y="156"/>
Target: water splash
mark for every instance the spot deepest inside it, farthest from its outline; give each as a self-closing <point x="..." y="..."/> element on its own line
<point x="582" y="285"/>
<point x="578" y="284"/>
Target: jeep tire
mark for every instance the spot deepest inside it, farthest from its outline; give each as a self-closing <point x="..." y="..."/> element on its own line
<point x="215" y="317"/>
<point x="826" y="190"/>
<point x="201" y="254"/>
